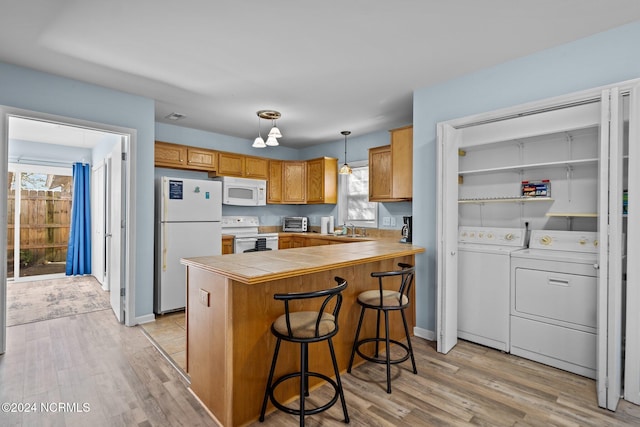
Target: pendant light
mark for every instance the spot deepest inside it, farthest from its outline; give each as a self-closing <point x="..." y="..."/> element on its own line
<point x="259" y="142"/>
<point x="345" y="169"/>
<point x="274" y="133"/>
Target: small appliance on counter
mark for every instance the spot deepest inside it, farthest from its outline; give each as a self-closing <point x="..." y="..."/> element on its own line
<point x="407" y="229"/>
<point x="299" y="224"/>
<point x="326" y="225"/>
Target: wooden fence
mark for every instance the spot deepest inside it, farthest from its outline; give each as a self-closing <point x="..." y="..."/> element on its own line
<point x="45" y="218"/>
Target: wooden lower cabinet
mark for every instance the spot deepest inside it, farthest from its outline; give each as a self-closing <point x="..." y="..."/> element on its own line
<point x="284" y="242"/>
<point x="227" y="244"/>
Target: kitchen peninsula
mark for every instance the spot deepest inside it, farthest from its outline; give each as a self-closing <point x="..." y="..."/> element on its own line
<point x="230" y="308"/>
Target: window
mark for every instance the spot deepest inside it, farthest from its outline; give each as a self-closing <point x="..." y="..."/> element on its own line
<point x="354" y="206"/>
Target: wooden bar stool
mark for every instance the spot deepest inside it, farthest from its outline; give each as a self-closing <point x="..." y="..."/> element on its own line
<point x="384" y="301"/>
<point x="305" y="327"/>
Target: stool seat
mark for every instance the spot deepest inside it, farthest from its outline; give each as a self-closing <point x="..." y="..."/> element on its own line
<point x="383" y="301"/>
<point x="303" y="324"/>
<point x="304" y="328"/>
<point x="390" y="299"/>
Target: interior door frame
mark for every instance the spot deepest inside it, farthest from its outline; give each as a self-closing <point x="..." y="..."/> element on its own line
<point x="128" y="213"/>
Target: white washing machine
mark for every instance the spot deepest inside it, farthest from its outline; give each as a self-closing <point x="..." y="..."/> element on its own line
<point x="483" y="283"/>
<point x="554" y="300"/>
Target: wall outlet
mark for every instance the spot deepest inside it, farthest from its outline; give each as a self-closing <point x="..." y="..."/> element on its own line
<point x="393" y="221"/>
<point x="386" y="221"/>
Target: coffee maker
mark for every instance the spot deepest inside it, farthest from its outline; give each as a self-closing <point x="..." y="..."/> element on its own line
<point x="407" y="229"/>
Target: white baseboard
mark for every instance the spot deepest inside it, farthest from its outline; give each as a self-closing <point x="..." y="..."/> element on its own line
<point x="144" y="319"/>
<point x="424" y="333"/>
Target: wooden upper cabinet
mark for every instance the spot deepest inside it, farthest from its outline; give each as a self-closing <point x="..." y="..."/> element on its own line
<point x="170" y="155"/>
<point x="230" y="164"/>
<point x="294" y="182"/>
<point x="178" y="156"/>
<point x="322" y="180"/>
<point x="256" y="167"/>
<point x="380" y="173"/>
<point x="391" y="168"/>
<point x="274" y="183"/>
<point x="201" y="159"/>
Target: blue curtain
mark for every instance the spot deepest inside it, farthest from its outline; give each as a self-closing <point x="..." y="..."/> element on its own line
<point x="79" y="249"/>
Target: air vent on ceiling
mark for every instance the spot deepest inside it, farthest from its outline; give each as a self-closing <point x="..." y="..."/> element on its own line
<point x="174" y="116"/>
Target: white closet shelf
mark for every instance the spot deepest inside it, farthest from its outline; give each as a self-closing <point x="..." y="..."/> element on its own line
<point x="507" y="200"/>
<point x="563" y="163"/>
<point x="572" y="214"/>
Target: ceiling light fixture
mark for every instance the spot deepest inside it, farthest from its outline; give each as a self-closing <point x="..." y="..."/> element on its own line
<point x="175" y="116"/>
<point x="274" y="133"/>
<point x="345" y="169"/>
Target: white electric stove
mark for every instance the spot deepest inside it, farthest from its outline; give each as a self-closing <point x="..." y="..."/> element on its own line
<point x="247" y="237"/>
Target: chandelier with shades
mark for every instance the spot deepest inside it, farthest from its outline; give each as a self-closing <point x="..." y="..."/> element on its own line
<point x="274" y="133"/>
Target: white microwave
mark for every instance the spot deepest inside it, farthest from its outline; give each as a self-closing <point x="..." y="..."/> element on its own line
<point x="243" y="191"/>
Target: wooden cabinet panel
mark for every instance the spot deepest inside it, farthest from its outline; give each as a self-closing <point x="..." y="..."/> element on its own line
<point x="169" y="155"/>
<point x="274" y="183"/>
<point x="284" y="242"/>
<point x="322" y="180"/>
<point x="298" y="242"/>
<point x="311" y="241"/>
<point x="256" y="167"/>
<point x="293" y="182"/>
<point x="391" y="168"/>
<point x="230" y="164"/>
<point x="380" y="173"/>
<point x="402" y="162"/>
<point x="201" y="159"/>
<point x="227" y="245"/>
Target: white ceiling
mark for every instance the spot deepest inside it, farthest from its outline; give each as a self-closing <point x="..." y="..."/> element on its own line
<point x="327" y="66"/>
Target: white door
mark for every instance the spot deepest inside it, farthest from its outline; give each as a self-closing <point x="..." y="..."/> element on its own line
<point x="632" y="333"/>
<point x="116" y="231"/>
<point x="98" y="224"/>
<point x="447" y="241"/>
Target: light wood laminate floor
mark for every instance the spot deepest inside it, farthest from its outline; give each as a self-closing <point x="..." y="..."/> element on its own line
<point x="92" y="359"/>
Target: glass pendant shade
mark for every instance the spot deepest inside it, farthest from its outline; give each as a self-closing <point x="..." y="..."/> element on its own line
<point x="275" y="132"/>
<point x="259" y="143"/>
<point x="272" y="141"/>
<point x="345" y="170"/>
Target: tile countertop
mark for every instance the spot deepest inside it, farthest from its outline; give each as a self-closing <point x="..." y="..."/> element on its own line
<point x="258" y="267"/>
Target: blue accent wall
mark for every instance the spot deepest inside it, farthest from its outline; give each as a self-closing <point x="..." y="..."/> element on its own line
<point x="45" y="93"/>
<point x="598" y="60"/>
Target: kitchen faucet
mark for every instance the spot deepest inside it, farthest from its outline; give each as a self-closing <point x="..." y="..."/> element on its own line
<point x="353" y="230"/>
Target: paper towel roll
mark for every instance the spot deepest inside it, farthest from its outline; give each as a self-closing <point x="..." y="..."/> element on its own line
<point x="331" y="224"/>
<point x="324" y="225"/>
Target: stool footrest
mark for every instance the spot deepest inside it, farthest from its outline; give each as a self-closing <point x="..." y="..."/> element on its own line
<point x="288" y="410"/>
<point x="378" y="359"/>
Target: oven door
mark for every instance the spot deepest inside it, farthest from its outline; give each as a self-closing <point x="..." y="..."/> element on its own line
<point x="248" y="244"/>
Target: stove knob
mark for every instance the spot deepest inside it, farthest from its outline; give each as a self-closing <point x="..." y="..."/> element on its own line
<point x="480" y="235"/>
<point x="490" y="236"/>
<point x="508" y="236"/>
<point x="546" y="240"/>
<point x="582" y="242"/>
<point x="472" y="234"/>
<point x="595" y="243"/>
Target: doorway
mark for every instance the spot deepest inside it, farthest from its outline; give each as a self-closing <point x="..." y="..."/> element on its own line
<point x="108" y="148"/>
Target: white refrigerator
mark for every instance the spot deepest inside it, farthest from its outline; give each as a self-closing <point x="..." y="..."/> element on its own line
<point x="188" y="214"/>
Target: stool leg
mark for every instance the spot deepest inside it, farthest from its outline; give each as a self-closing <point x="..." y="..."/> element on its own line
<point x="303" y="379"/>
<point x="267" y="390"/>
<point x="386" y="332"/>
<point x="337" y="372"/>
<point x="377" y="331"/>
<point x="406" y="330"/>
<point x="355" y="340"/>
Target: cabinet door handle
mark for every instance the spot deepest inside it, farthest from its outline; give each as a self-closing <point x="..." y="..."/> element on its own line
<point x="453" y="252"/>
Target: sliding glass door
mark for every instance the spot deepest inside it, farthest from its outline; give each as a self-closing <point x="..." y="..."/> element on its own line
<point x="38" y="220"/>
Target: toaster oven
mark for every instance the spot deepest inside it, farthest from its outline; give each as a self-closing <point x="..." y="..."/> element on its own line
<point x="295" y="223"/>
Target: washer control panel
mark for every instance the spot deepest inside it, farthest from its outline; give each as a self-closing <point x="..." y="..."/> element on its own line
<point x="492" y="236"/>
<point x="575" y="241"/>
